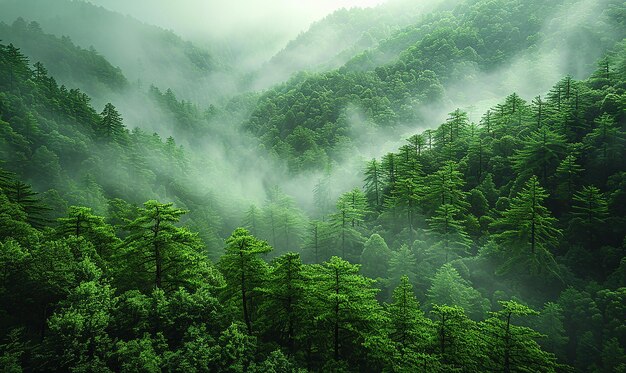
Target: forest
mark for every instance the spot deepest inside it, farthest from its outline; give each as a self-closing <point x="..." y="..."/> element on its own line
<point x="400" y="188"/>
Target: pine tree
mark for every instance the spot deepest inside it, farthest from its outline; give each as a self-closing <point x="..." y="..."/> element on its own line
<point x="589" y="215"/>
<point x="111" y="126"/>
<point x="513" y="348"/>
<point x="541" y="154"/>
<point x="410" y="329"/>
<point x="375" y="257"/>
<point x="351" y="210"/>
<point x="16" y="64"/>
<point x="81" y="222"/>
<point x="284" y="295"/>
<point x="23" y="195"/>
<point x="319" y="242"/>
<point x="449" y="288"/>
<point x="252" y="220"/>
<point x="374" y="184"/>
<point x="401" y="263"/>
<point x="157" y="253"/>
<point x="567" y="175"/>
<point x="448" y="234"/>
<point x="527" y="232"/>
<point x="346" y="308"/>
<point x="444" y="187"/>
<point x="244" y="271"/>
<point x="456" y="342"/>
<point x="607" y="141"/>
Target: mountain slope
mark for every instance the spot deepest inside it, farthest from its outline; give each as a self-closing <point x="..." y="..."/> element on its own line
<point x="332" y="41"/>
<point x="144" y="52"/>
<point x="70" y="64"/>
<point x="308" y="120"/>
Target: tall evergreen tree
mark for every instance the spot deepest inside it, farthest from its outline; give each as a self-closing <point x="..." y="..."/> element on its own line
<point x="449" y="236"/>
<point x="157" y="253"/>
<point x="589" y="214"/>
<point x="346" y="308"/>
<point x="513" y="348"/>
<point x="284" y="295"/>
<point x="527" y="232"/>
<point x="111" y="126"/>
<point x="244" y="271"/>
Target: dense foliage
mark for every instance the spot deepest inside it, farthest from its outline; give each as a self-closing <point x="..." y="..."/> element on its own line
<point x="490" y="246"/>
<point x="311" y="119"/>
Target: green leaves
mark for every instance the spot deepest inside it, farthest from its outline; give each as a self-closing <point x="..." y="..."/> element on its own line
<point x="160" y="254"/>
<point x="527" y="232"/>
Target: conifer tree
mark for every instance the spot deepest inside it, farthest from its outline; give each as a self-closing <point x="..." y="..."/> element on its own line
<point x="346" y="308"/>
<point x="449" y="236"/>
<point x="444" y="187"/>
<point x="567" y="174"/>
<point x="374" y="183"/>
<point x="540" y="155"/>
<point x="157" y="253"/>
<point x="375" y="257"/>
<point x="589" y="214"/>
<point x="111" y="126"/>
<point x="410" y="329"/>
<point x="244" y="271"/>
<point x="284" y="295"/>
<point x="514" y="348"/>
<point x="449" y="288"/>
<point x="526" y="232"/>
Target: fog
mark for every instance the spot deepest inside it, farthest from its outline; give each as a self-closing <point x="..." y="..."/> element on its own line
<point x="247" y="172"/>
<point x="241" y="36"/>
<point x="250" y="31"/>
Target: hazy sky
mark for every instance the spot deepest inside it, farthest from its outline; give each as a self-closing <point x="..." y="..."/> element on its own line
<point x="272" y="22"/>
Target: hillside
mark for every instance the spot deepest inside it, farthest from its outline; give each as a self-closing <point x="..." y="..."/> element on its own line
<point x="332" y="41"/>
<point x="462" y="220"/>
<point x="158" y="56"/>
<point x="307" y="118"/>
<point x="452" y="198"/>
<point x="70" y="64"/>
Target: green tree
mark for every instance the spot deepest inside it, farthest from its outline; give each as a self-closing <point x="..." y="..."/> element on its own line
<point x="319" y="242"/>
<point x="448" y="234"/>
<point x="23" y="195"/>
<point x="284" y="296"/>
<point x="78" y="338"/>
<point x="375" y="257"/>
<point x="549" y="322"/>
<point x="409" y="327"/>
<point x="456" y="342"/>
<point x="444" y="187"/>
<point x="543" y="149"/>
<point x="347" y="313"/>
<point x="81" y="222"/>
<point x="589" y="214"/>
<point x="514" y="348"/>
<point x="449" y="288"/>
<point x="350" y="213"/>
<point x="568" y="175"/>
<point x="607" y="142"/>
<point x="157" y="253"/>
<point x="374" y="186"/>
<point x="244" y="271"/>
<point x="111" y="126"/>
<point x="527" y="232"/>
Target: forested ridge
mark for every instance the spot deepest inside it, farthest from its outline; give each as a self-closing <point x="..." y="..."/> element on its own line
<point x="308" y="119"/>
<point x="495" y="246"/>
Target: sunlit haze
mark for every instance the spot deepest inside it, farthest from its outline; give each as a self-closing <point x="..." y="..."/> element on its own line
<point x="268" y="23"/>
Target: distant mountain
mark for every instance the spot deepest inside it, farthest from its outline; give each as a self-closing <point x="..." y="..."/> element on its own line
<point x="145" y="53"/>
<point x="72" y="65"/>
<point x="332" y="41"/>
